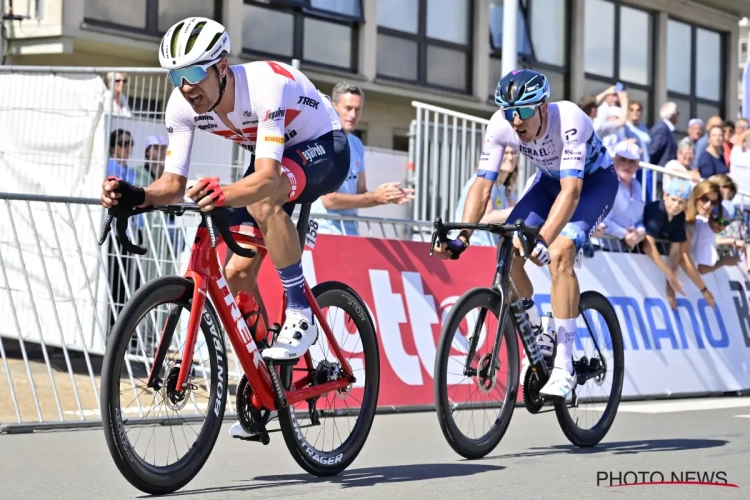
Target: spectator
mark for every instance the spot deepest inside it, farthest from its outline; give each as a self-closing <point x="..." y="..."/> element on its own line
<point x="625" y="220"/>
<point x="695" y="130"/>
<point x="501" y="200"/>
<point x="734" y="236"/>
<point x="702" y="227"/>
<point x="120" y="149"/>
<point x="349" y="101"/>
<point x="665" y="219"/>
<point x="728" y="136"/>
<point x="685" y="152"/>
<point x="663" y="147"/>
<point x="739" y="128"/>
<point x="739" y="162"/>
<point x="153" y="167"/>
<point x="117" y="96"/>
<point x="702" y="144"/>
<point x="636" y="129"/>
<point x="597" y="112"/>
<point x="711" y="161"/>
<point x="614" y="116"/>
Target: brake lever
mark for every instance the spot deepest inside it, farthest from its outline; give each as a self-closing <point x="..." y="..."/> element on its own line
<point x="436" y="233"/>
<point x="122" y="237"/>
<point x="211" y="228"/>
<point x="106" y="227"/>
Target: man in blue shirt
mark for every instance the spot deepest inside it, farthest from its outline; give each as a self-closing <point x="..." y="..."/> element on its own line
<point x="353" y="194"/>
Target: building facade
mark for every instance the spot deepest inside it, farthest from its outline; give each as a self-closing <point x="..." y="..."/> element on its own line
<point x="444" y="52"/>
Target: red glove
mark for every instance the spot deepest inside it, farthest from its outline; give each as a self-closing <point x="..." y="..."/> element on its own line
<point x="213" y="191"/>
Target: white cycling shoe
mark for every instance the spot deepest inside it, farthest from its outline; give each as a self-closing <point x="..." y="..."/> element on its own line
<point x="295" y="338"/>
<point x="560" y="384"/>
<point x="236" y="431"/>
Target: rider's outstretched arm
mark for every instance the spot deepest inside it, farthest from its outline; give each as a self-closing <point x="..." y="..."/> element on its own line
<point x="257" y="186"/>
<point x="169" y="188"/>
<point x="476" y="202"/>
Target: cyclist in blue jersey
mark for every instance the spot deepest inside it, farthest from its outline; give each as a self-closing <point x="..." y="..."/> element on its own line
<point x="573" y="191"/>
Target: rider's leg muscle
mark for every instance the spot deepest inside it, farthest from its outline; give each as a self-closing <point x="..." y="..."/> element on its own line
<point x="242" y="275"/>
<point x="521" y="279"/>
<point x="565" y="291"/>
<point x="279" y="232"/>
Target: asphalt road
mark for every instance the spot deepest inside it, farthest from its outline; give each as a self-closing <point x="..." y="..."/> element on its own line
<point x="407" y="457"/>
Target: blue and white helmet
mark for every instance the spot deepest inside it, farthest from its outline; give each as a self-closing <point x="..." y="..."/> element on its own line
<point x="521" y="87"/>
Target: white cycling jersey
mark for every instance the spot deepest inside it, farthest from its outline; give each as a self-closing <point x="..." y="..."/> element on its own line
<point x="568" y="148"/>
<point x="275" y="106"/>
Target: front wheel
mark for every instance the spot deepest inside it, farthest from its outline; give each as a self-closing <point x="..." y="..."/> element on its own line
<point x="599" y="349"/>
<point x="350" y="410"/>
<point x="147" y="428"/>
<point x="462" y="364"/>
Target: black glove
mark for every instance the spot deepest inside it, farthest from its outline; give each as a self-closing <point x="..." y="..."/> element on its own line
<point x="456" y="246"/>
<point x="130" y="197"/>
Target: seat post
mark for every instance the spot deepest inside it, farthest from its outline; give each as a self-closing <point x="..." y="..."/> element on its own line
<point x="304" y="219"/>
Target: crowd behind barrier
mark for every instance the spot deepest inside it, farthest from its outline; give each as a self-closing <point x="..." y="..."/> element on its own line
<point x="62" y="293"/>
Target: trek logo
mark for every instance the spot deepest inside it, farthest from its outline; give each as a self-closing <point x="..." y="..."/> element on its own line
<point x="743" y="308"/>
<point x="306" y="101"/>
<point x="241" y="325"/>
<point x="311" y="153"/>
<point x="274" y="115"/>
<point x="203" y="118"/>
<point x="290" y="135"/>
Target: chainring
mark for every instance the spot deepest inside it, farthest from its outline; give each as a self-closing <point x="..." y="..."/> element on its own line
<point x="251" y="419"/>
<point x="531" y="387"/>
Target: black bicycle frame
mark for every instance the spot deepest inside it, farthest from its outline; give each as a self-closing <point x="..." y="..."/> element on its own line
<point x="501" y="285"/>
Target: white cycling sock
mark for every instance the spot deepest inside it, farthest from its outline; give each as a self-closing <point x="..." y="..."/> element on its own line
<point x="566" y="333"/>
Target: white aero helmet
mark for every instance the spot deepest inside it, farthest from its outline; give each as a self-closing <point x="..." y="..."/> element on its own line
<point x="195" y="40"/>
<point x="192" y="46"/>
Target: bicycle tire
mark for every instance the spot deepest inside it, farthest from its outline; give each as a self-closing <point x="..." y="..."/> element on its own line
<point x="319" y="463"/>
<point x="585" y="438"/>
<point x="146" y="477"/>
<point x="467" y="447"/>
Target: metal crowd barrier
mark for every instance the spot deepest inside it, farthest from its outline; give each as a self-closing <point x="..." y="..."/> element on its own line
<point x="61" y="294"/>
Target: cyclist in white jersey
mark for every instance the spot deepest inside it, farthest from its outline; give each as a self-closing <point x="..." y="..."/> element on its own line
<point x="299" y="154"/>
<point x="573" y="191"/>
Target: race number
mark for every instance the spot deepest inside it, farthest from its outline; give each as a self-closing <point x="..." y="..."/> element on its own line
<point x="312" y="233"/>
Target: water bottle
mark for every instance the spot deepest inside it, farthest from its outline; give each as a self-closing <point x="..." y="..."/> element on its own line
<point x="251" y="313"/>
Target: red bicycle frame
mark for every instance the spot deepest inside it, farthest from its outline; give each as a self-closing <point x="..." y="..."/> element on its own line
<point x="205" y="272"/>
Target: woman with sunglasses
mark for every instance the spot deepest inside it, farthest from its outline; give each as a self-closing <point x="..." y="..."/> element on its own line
<point x="704" y="220"/>
<point x="573" y="191"/>
<point x="299" y="154"/>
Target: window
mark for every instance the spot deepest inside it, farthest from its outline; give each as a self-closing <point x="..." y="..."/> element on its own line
<point x="425" y="42"/>
<point x="695" y="66"/>
<point x="542" y="42"/>
<point x="321" y="32"/>
<point x="617" y="48"/>
<point x="153" y="17"/>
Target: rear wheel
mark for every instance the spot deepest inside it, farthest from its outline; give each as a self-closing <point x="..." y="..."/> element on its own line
<point x="600" y="395"/>
<point x="351" y="409"/>
<point x="470" y="332"/>
<point x="137" y="418"/>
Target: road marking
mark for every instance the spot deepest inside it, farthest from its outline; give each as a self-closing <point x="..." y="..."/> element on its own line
<point x="679" y="406"/>
<point x="742" y="416"/>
